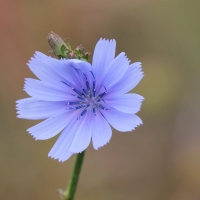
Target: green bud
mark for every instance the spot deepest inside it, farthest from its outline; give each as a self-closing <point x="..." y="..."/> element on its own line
<point x="64" y="50"/>
<point x="59" y="47"/>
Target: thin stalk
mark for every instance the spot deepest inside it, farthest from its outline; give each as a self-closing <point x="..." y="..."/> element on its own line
<point x="71" y="189"/>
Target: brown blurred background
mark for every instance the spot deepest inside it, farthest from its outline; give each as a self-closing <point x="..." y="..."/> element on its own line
<point x="161" y="159"/>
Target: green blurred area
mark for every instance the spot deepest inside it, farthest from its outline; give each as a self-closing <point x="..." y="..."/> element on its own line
<point x="159" y="160"/>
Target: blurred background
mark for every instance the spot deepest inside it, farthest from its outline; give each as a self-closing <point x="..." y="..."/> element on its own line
<point x="160" y="159"/>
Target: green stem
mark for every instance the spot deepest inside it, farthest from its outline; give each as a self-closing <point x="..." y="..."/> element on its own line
<point x="71" y="189"/>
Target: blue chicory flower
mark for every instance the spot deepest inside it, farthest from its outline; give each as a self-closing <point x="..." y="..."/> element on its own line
<point x="81" y="100"/>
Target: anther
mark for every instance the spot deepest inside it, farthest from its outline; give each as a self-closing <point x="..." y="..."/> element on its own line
<point x="94" y="111"/>
<point x="79" y="93"/>
<point x="66" y="84"/>
<point x="103" y="94"/>
<point x="85" y="92"/>
<point x="87" y="83"/>
<point x="103" y="108"/>
<point x="80" y="98"/>
<point x="84" y="112"/>
<point x="93" y="85"/>
<point x="74" y="103"/>
<point x="78" y="107"/>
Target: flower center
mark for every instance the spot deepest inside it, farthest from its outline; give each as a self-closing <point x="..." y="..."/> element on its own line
<point x="87" y="98"/>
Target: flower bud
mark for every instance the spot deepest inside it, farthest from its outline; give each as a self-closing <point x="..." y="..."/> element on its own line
<point x="59" y="47"/>
<point x="64" y="50"/>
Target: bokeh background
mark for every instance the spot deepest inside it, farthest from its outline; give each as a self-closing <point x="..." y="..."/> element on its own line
<point x="161" y="159"/>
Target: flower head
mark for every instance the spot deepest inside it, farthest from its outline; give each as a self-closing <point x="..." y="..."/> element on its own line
<point x="81" y="100"/>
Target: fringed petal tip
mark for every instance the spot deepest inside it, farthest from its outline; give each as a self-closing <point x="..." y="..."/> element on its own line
<point x="60" y="159"/>
<point x="30" y="133"/>
<point x="20" y="116"/>
<point x="56" y="159"/>
<point x="101" y="145"/>
<point x="136" y="65"/>
<point x="139" y="123"/>
<point x="106" y="40"/>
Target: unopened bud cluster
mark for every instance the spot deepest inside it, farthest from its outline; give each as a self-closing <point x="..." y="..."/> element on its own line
<point x="63" y="49"/>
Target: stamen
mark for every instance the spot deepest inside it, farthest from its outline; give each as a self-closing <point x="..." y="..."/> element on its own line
<point x="78" y="107"/>
<point x="84" y="112"/>
<point x="85" y="92"/>
<point x="75" y="90"/>
<point x="102" y="94"/>
<point x="66" y="84"/>
<point x="94" y="111"/>
<point x="88" y="87"/>
<point x="93" y="85"/>
<point x="69" y="108"/>
<point x="103" y="101"/>
<point x="93" y="88"/>
<point x="103" y="108"/>
<point x="74" y="103"/>
<point x="80" y="98"/>
<point x="87" y="83"/>
<point x="93" y="75"/>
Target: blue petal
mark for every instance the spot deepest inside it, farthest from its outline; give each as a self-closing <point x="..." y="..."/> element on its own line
<point x="48" y="92"/>
<point x="41" y="64"/>
<point x="80" y="65"/>
<point x="115" y="71"/>
<point x="52" y="126"/>
<point x="64" y="68"/>
<point x="83" y="134"/>
<point x="131" y="78"/>
<point x="54" y="71"/>
<point x="60" y="150"/>
<point x="34" y="109"/>
<point x="128" y="103"/>
<point x="104" y="54"/>
<point x="121" y="121"/>
<point x="102" y="131"/>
